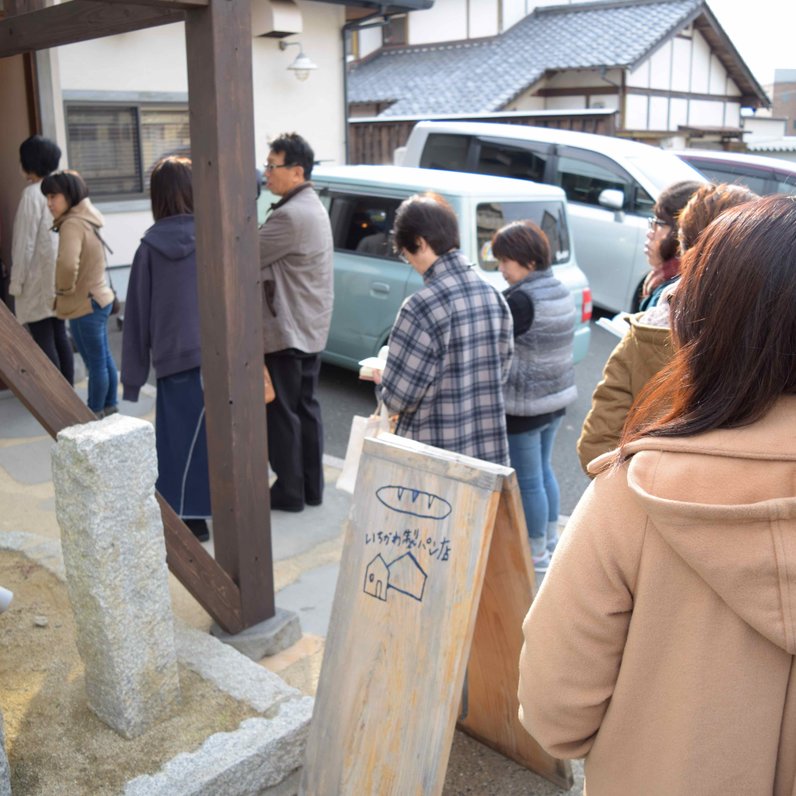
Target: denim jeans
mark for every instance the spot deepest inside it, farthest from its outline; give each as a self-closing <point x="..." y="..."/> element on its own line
<point x="90" y="333"/>
<point x="530" y="453"/>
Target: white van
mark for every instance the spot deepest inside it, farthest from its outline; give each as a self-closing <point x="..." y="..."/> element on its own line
<point x="611" y="185"/>
<point x="371" y="282"/>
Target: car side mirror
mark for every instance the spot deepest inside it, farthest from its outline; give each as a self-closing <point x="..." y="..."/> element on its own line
<point x="611" y="199"/>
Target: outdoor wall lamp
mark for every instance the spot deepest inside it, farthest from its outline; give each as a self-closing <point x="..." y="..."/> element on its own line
<point x="303" y="65"/>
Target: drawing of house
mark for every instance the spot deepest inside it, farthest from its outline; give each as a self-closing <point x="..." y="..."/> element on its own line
<point x="407" y="576"/>
<point x="377" y="577"/>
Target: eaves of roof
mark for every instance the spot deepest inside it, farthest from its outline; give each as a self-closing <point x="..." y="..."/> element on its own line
<point x="386" y="8"/>
<point x="484" y="75"/>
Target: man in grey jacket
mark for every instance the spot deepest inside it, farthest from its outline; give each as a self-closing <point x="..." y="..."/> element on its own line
<point x="296" y="263"/>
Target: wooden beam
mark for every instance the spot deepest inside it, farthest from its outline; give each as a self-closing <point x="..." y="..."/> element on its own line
<point x="218" y="40"/>
<point x="78" y="20"/>
<point x="21" y="6"/>
<point x="178" y="4"/>
<point x="40" y="386"/>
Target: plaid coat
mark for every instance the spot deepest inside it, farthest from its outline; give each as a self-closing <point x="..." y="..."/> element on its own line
<point x="449" y="354"/>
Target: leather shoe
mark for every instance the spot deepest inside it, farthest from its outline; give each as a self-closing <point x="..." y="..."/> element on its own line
<point x="280" y="505"/>
<point x="198" y="528"/>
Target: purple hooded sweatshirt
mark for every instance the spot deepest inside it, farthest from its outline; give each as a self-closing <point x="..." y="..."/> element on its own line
<point x="161" y="313"/>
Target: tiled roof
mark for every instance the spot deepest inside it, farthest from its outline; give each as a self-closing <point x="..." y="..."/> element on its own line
<point x="483" y="75"/>
<point x="762" y="145"/>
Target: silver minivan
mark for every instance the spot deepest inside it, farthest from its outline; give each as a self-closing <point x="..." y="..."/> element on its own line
<point x="610" y="183"/>
<point x="371" y="282"/>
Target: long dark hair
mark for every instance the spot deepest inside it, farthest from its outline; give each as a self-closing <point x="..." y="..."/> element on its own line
<point x="170" y="187"/>
<point x="734" y="325"/>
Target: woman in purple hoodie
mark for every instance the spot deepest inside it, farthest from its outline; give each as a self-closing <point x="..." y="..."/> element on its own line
<point x="161" y="324"/>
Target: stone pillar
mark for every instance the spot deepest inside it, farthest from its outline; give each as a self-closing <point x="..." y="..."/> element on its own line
<point x="5" y="772"/>
<point x="115" y="559"/>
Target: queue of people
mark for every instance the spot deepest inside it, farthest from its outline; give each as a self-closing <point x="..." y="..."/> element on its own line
<point x="661" y="645"/>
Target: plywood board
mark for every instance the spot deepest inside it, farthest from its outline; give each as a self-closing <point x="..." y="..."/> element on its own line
<point x="404" y="612"/>
<point x="493" y="671"/>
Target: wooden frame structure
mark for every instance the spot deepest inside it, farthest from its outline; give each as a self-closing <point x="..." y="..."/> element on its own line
<point x="237" y="587"/>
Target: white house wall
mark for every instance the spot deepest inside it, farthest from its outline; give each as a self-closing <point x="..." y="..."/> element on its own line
<point x="369" y="40"/>
<point x="314" y="107"/>
<point x="150" y="65"/>
<point x="483" y="19"/>
<point x="513" y="12"/>
<point x="683" y="65"/>
<point x="636" y="112"/>
<point x="446" y="20"/>
<point x="145" y="60"/>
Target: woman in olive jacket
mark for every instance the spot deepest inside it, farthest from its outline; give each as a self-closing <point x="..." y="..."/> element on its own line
<point x="662" y="643"/>
<point x="82" y="292"/>
<point x="647" y="347"/>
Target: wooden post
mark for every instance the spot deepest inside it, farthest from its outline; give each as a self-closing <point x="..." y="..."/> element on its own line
<point x="222" y="146"/>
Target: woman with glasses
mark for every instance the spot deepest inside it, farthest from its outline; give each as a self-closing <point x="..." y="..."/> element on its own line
<point x="661" y="248"/>
<point x="646" y="346"/>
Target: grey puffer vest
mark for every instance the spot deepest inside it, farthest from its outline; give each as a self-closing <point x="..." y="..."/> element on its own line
<point x="542" y="376"/>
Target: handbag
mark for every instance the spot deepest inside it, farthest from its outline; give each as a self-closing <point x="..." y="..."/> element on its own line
<point x="268" y="385"/>
<point x="361" y="427"/>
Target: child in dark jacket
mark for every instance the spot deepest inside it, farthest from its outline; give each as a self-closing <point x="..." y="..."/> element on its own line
<point x="161" y="324"/>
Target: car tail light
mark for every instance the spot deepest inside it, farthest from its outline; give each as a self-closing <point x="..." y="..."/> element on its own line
<point x="585" y="315"/>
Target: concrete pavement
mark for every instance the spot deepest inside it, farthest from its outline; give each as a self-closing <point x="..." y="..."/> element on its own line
<point x="306" y="551"/>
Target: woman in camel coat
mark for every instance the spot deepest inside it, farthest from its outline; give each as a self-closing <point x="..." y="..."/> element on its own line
<point x="661" y="644"/>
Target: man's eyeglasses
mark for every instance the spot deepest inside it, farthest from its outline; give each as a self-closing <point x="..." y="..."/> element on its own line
<point x="269" y="167"/>
<point x="654" y="221"/>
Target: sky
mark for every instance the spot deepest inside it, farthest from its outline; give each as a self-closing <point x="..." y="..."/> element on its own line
<point x="763" y="32"/>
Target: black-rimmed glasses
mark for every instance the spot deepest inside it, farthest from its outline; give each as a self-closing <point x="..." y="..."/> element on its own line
<point x="271" y="166"/>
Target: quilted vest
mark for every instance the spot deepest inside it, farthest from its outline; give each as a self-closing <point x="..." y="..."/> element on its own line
<point x="542" y="376"/>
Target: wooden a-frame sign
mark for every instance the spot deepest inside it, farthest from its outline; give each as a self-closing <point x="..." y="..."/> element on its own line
<point x="435" y="580"/>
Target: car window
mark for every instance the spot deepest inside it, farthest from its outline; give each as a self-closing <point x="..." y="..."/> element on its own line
<point x="503" y="160"/>
<point x="362" y="224"/>
<point x="785" y="183"/>
<point x="754" y="179"/>
<point x="585" y="175"/>
<point x="550" y="216"/>
<point x="446" y="152"/>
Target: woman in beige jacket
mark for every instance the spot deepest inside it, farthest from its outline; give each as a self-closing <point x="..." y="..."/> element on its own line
<point x="661" y="644"/>
<point x="82" y="292"/>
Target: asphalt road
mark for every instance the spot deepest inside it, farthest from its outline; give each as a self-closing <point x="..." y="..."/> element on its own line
<point x="343" y="395"/>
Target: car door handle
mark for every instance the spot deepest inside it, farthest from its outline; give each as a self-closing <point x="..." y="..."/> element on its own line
<point x="381" y="288"/>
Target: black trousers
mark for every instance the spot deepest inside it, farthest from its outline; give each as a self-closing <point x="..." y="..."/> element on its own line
<point x="50" y="335"/>
<point x="295" y="429"/>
